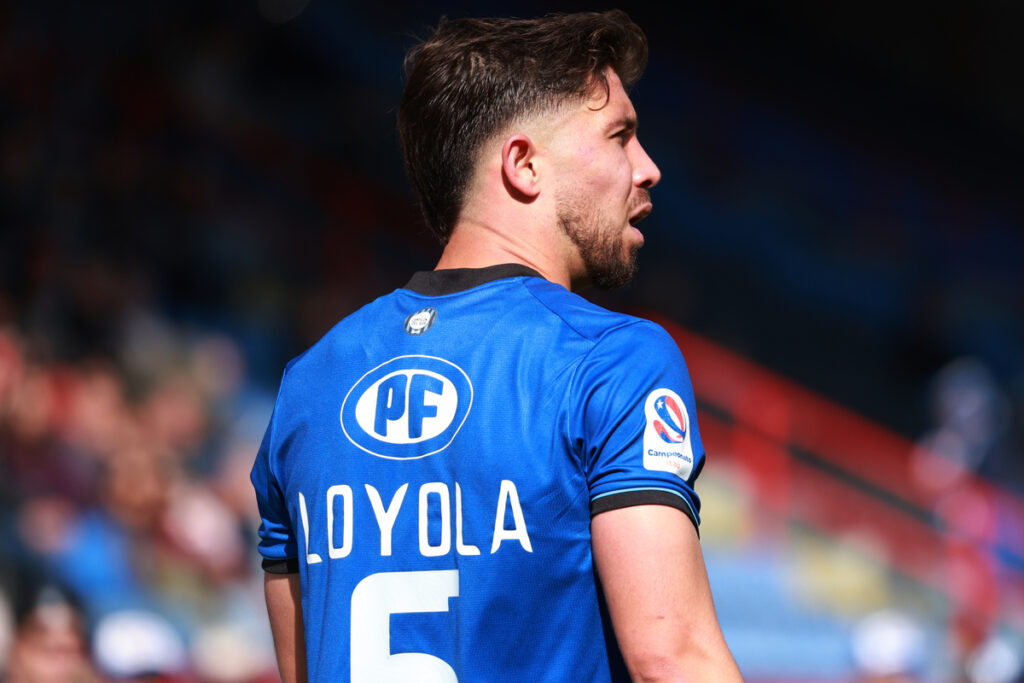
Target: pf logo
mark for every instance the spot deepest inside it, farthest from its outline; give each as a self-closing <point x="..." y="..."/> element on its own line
<point x="409" y="407"/>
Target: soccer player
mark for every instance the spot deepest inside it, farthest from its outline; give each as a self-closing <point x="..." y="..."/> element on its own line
<point x="482" y="476"/>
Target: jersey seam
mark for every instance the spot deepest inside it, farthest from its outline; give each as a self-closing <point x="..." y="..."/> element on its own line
<point x="575" y="373"/>
<point x="570" y="387"/>
<point x="272" y="450"/>
<point x="630" y="320"/>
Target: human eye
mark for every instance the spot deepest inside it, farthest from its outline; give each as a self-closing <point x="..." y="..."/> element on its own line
<point x="624" y="131"/>
<point x="623" y="135"/>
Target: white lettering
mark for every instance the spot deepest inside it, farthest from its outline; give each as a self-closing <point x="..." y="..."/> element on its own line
<point x="510" y="496"/>
<point x="311" y="558"/>
<point x="346" y="535"/>
<point x="445" y="545"/>
<point x="460" y="547"/>
<point x="436" y="526"/>
<point x="386" y="518"/>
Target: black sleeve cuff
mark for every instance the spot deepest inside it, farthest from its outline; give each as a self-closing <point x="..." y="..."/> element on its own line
<point x="614" y="501"/>
<point x="286" y="566"/>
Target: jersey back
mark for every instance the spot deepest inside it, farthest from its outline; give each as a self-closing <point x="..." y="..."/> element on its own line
<point x="433" y="464"/>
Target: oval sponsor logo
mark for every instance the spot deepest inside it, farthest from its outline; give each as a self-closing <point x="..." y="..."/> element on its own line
<point x="409" y="407"/>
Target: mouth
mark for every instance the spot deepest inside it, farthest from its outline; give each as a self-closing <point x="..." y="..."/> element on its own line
<point x="643" y="212"/>
<point x="640" y="207"/>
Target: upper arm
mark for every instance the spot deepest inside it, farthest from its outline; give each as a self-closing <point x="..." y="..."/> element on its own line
<point x="652" y="572"/>
<point x="642" y="453"/>
<point x="284" y="607"/>
<point x="279" y="548"/>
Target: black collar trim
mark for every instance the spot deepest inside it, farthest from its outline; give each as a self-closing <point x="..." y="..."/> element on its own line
<point x="441" y="282"/>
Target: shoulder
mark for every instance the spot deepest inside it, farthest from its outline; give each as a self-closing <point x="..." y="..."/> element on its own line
<point x="343" y="341"/>
<point x="593" y="322"/>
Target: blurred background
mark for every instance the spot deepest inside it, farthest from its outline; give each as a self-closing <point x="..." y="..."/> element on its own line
<point x="192" y="192"/>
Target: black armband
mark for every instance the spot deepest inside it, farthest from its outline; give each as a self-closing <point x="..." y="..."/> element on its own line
<point x="625" y="499"/>
<point x="288" y="565"/>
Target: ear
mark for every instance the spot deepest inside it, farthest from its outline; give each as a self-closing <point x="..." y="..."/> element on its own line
<point x="518" y="169"/>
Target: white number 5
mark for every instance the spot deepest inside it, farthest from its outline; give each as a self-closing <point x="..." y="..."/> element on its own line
<point x="374" y="600"/>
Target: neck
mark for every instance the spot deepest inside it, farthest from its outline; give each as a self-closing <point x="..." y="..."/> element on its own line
<point x="478" y="244"/>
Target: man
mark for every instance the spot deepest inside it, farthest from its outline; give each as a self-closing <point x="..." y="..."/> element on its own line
<point x="482" y="476"/>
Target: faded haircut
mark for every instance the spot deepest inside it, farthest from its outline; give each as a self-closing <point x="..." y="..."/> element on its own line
<point x="474" y="77"/>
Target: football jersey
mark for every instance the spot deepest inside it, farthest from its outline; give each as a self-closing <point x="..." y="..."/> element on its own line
<point x="432" y="466"/>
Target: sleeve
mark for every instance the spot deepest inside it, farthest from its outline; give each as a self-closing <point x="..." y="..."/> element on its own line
<point x="277" y="544"/>
<point x="635" y="423"/>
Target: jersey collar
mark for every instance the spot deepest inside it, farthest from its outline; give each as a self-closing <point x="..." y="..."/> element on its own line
<point x="441" y="282"/>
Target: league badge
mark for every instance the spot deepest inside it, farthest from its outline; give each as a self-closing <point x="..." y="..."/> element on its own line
<point x="667" y="446"/>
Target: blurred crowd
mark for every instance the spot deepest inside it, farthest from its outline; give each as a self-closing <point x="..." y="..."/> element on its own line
<point x="126" y="516"/>
<point x="191" y="193"/>
<point x="167" y="241"/>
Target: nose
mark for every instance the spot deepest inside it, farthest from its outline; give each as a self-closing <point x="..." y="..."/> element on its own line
<point x="645" y="173"/>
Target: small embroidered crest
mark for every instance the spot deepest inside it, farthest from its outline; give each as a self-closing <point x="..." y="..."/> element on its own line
<point x="420" y="321"/>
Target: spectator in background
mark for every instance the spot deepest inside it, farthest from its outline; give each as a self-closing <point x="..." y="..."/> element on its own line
<point x="971" y="436"/>
<point x="50" y="643"/>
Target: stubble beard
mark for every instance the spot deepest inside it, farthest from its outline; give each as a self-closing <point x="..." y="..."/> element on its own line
<point x="609" y="262"/>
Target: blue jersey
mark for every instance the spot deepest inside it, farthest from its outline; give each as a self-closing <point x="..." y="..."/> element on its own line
<point x="432" y="466"/>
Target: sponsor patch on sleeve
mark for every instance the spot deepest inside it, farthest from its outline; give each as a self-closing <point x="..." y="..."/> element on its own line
<point x="667" y="434"/>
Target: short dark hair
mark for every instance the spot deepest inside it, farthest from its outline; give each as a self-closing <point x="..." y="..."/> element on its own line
<point x="473" y="77"/>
